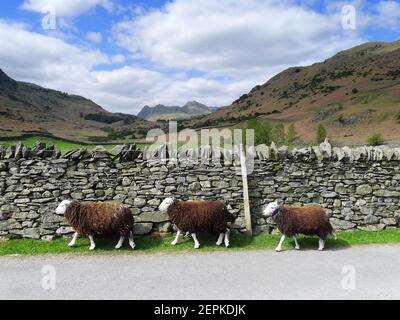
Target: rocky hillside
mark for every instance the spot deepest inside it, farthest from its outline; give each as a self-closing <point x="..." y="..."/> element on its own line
<point x="353" y="94"/>
<point x="161" y="112"/>
<point x="26" y="107"/>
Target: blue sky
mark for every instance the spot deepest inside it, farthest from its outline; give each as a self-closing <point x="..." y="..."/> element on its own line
<point x="125" y="54"/>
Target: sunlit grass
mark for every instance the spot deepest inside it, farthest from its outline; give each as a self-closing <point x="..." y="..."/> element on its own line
<point x="157" y="244"/>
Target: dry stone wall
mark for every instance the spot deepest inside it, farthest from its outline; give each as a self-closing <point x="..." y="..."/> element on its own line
<point x="360" y="187"/>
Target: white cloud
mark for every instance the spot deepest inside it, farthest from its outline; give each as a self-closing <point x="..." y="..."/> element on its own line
<point x="205" y="50"/>
<point x="388" y="15"/>
<point x="229" y="37"/>
<point x="95" y="37"/>
<point x="53" y="63"/>
<point x="66" y="8"/>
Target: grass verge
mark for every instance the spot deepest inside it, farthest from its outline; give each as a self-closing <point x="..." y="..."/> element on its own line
<point x="153" y="244"/>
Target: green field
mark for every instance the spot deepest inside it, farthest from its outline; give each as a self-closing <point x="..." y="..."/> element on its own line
<point x="152" y="244"/>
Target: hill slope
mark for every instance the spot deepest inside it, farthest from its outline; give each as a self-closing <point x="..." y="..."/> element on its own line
<point x="354" y="94"/>
<point x="26" y="107"/>
<point x="161" y="112"/>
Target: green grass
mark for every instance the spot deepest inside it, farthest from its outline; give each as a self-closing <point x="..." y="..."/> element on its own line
<point x="60" y="144"/>
<point x="152" y="244"/>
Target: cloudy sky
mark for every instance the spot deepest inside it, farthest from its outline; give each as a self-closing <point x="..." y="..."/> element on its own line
<point x="125" y="54"/>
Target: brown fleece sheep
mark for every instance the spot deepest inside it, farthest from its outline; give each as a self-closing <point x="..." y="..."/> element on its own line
<point x="199" y="216"/>
<point x="308" y="220"/>
<point x="90" y="218"/>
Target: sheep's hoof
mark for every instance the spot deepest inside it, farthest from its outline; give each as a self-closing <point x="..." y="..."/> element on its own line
<point x="227" y="244"/>
<point x="92" y="248"/>
<point x="297" y="248"/>
<point x="71" y="244"/>
<point x="197" y="246"/>
<point x="320" y="249"/>
<point x="173" y="243"/>
<point x="219" y="243"/>
<point x="117" y="247"/>
<point x="278" y="250"/>
<point x="133" y="247"/>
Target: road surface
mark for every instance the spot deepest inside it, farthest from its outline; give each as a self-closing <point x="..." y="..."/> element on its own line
<point x="367" y="272"/>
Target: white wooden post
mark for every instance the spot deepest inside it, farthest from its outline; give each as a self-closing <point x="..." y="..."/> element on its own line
<point x="246" y="200"/>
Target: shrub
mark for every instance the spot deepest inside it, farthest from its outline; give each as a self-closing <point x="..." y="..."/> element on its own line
<point x="375" y="140"/>
<point x="321" y="133"/>
<point x="397" y="117"/>
<point x="278" y="133"/>
<point x="291" y="134"/>
<point x="262" y="132"/>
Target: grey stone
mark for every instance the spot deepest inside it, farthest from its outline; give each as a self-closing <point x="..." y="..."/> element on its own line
<point x="139" y="202"/>
<point x="388" y="221"/>
<point x="142" y="228"/>
<point x="9" y="225"/>
<point x="371" y="227"/>
<point x="126" y="182"/>
<point x="64" y="230"/>
<point x="341" y="224"/>
<point x="328" y="194"/>
<point x="370" y="219"/>
<point x="153" y="217"/>
<point x="387" y="193"/>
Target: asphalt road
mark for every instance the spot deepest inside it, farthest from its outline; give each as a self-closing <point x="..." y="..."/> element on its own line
<point x="369" y="272"/>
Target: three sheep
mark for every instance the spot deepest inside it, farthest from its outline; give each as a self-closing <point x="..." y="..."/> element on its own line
<point x="308" y="220"/>
<point x="199" y="216"/>
<point x="93" y="218"/>
<point x="193" y="216"/>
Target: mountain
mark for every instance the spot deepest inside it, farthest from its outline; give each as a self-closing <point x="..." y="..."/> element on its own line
<point x="353" y="94"/>
<point x="26" y="107"/>
<point x="189" y="110"/>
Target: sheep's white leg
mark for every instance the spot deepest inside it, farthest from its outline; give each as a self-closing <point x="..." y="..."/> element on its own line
<point x="196" y="242"/>
<point x="279" y="247"/>
<point x="131" y="241"/>
<point x="74" y="238"/>
<point x="220" y="239"/>
<point x="227" y="234"/>
<point x="187" y="234"/>
<point x="120" y="242"/>
<point x="176" y="238"/>
<point x="321" y="244"/>
<point x="334" y="235"/>
<point x="297" y="246"/>
<point x="92" y="244"/>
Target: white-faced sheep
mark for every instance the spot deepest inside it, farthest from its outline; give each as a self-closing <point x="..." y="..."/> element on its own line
<point x="92" y="218"/>
<point x="199" y="216"/>
<point x="308" y="220"/>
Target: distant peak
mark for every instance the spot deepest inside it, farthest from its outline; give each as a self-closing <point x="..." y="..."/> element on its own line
<point x="6" y="81"/>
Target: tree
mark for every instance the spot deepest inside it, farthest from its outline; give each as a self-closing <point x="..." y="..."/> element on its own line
<point x="291" y="134"/>
<point x="321" y="133"/>
<point x="278" y="133"/>
<point x="375" y="140"/>
<point x="262" y="132"/>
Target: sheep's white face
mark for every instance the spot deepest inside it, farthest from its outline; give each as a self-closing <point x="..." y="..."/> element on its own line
<point x="165" y="204"/>
<point x="271" y="208"/>
<point x="62" y="207"/>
